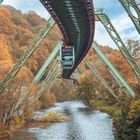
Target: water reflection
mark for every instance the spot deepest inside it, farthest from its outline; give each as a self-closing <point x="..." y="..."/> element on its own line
<point x="23" y="135"/>
<point x="84" y="125"/>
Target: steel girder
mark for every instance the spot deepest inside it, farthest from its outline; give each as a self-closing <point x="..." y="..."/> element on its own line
<point x="130" y="6"/>
<point x="98" y="75"/>
<point x="28" y="52"/>
<point x="94" y="83"/>
<point x="42" y="87"/>
<point x="49" y="78"/>
<point x="38" y="77"/>
<point x="101" y="16"/>
<point x="47" y="63"/>
<point x="1" y="1"/>
<point x="120" y="80"/>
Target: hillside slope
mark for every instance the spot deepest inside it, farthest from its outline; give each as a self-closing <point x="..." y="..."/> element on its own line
<point x="17" y="30"/>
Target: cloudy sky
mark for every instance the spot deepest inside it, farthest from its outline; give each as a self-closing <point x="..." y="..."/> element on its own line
<point x="113" y="8"/>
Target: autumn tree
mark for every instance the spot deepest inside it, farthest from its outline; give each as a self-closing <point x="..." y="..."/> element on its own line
<point x="19" y="31"/>
<point x="48" y="99"/>
<point x="85" y="90"/>
<point x="12" y="92"/>
<point x="60" y="89"/>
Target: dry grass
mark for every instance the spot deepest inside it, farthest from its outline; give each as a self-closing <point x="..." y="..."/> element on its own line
<point x="53" y="117"/>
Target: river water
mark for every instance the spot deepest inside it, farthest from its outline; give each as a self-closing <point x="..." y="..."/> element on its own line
<point x="84" y="125"/>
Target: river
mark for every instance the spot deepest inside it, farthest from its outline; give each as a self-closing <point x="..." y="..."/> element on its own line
<point x="85" y="124"/>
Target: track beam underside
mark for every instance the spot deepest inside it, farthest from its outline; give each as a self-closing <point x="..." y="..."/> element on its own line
<point x="75" y="19"/>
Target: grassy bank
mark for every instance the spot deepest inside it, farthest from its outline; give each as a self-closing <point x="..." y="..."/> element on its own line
<point x="126" y="120"/>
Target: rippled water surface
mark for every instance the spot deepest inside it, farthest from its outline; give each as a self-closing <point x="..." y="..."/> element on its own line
<point x="85" y="125"/>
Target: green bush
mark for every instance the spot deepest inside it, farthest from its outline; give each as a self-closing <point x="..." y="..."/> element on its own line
<point x="102" y="105"/>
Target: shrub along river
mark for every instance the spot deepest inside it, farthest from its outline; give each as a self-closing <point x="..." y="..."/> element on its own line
<point x="85" y="124"/>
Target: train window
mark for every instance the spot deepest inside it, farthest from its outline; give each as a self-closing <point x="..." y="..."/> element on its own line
<point x="67" y="57"/>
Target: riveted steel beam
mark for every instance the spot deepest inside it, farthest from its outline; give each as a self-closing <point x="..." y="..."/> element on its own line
<point x="28" y="52"/>
<point x="98" y="75"/>
<point x="1" y="1"/>
<point x="120" y="80"/>
<point x="37" y="78"/>
<point x="92" y="81"/>
<point x="46" y="83"/>
<point x="130" y="6"/>
<point x="47" y="63"/>
<point x="42" y="87"/>
<point x="104" y="19"/>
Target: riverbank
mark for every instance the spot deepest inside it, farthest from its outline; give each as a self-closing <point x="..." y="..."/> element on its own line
<point x="84" y="124"/>
<point x="125" y="121"/>
<point x="18" y="122"/>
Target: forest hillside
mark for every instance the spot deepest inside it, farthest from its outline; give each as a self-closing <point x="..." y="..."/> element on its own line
<point x="17" y="31"/>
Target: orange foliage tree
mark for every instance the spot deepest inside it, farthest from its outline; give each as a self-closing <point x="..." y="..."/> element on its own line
<point x="48" y="99"/>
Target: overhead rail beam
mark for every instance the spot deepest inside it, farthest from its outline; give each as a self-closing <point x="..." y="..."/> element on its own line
<point x="130" y="6"/>
<point x="101" y="16"/>
<point x="75" y="18"/>
<point x="120" y="80"/>
<point x="98" y="75"/>
<point x="28" y="52"/>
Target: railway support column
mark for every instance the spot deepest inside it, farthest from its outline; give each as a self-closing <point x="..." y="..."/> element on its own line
<point x="98" y="75"/>
<point x="53" y="73"/>
<point x="130" y="6"/>
<point x="28" y="52"/>
<point x="1" y="1"/>
<point x="120" y="80"/>
<point x="93" y="82"/>
<point x="42" y="87"/>
<point x="47" y="63"/>
<point x="101" y="16"/>
<point x="38" y="77"/>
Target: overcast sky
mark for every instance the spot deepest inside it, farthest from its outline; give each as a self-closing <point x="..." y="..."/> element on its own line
<point x="113" y="8"/>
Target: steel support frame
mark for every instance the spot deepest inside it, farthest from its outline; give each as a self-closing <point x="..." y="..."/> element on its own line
<point x="28" y="52"/>
<point x="104" y="19"/>
<point x="1" y="1"/>
<point x="46" y="83"/>
<point x="93" y="82"/>
<point x="42" y="87"/>
<point x="47" y="63"/>
<point x="38" y="76"/>
<point x="120" y="80"/>
<point x="131" y="4"/>
<point x="98" y="75"/>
